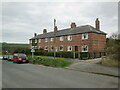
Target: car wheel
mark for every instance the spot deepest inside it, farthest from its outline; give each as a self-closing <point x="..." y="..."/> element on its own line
<point x="17" y="62"/>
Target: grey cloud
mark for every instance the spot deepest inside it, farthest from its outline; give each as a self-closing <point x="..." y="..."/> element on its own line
<point x="27" y="18"/>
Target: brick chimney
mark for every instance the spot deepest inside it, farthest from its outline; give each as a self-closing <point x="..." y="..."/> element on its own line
<point x="97" y="24"/>
<point x="35" y="34"/>
<point x="44" y="31"/>
<point x="73" y="25"/>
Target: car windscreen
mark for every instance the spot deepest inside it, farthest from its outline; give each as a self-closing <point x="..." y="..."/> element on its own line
<point x="23" y="56"/>
<point x="10" y="55"/>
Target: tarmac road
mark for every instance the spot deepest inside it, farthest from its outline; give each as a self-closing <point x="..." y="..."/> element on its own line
<point x="38" y="76"/>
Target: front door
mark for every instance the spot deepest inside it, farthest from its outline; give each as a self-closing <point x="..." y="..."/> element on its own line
<point x="76" y="48"/>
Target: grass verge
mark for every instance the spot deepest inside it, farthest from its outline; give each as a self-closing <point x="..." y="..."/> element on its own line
<point x="49" y="61"/>
<point x="109" y="61"/>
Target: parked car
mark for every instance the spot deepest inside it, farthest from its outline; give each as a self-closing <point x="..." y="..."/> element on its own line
<point x="10" y="57"/>
<point x="20" y="57"/>
<point x="5" y="57"/>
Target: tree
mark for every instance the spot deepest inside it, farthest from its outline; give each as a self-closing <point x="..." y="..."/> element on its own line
<point x="113" y="47"/>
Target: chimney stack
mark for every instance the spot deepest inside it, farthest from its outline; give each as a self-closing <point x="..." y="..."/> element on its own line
<point x="97" y="24"/>
<point x="73" y="25"/>
<point x="35" y="34"/>
<point x="44" y="31"/>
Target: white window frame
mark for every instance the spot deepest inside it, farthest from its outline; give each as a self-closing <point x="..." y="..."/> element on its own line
<point x="69" y="37"/>
<point x="39" y="40"/>
<point x="69" y="48"/>
<point x="39" y="47"/>
<point x="35" y="40"/>
<point x="61" y="38"/>
<point x="30" y="41"/>
<point x="51" y="48"/>
<point x="46" y="39"/>
<point x="45" y="48"/>
<point x="84" y="36"/>
<point x="85" y="46"/>
<point x="62" y="48"/>
<point x="51" y="39"/>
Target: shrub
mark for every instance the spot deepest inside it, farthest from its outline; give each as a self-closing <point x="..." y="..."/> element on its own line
<point x="64" y="54"/>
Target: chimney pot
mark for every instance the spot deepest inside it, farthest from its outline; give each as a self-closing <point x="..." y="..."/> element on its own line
<point x="44" y="31"/>
<point x="35" y="34"/>
<point x="73" y="25"/>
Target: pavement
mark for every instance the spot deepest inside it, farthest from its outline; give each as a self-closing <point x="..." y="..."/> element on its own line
<point x="90" y="66"/>
<point x="39" y="76"/>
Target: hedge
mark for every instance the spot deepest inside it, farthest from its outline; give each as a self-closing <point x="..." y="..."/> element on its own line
<point x="64" y="54"/>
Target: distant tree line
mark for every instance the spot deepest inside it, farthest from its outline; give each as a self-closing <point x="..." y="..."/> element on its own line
<point x="15" y="48"/>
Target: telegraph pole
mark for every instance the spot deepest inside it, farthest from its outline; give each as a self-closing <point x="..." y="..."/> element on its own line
<point x="55" y="29"/>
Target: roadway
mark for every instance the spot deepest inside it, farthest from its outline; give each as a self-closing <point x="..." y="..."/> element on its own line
<point x="38" y="76"/>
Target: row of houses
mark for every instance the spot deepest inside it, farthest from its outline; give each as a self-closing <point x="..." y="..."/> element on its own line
<point x="76" y="38"/>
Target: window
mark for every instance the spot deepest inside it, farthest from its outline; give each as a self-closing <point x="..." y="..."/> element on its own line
<point x="46" y="48"/>
<point x="30" y="41"/>
<point x="39" y="40"/>
<point x="46" y="39"/>
<point x="52" y="48"/>
<point x="69" y="48"/>
<point x="84" y="36"/>
<point x="70" y="38"/>
<point x="39" y="47"/>
<point x="61" y="48"/>
<point x="35" y="40"/>
<point x="85" y="48"/>
<point x="52" y="39"/>
<point x="61" y="38"/>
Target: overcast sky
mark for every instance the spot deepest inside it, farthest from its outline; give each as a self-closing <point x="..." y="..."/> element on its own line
<point x="20" y="20"/>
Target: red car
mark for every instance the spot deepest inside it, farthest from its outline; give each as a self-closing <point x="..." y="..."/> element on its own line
<point x="20" y="57"/>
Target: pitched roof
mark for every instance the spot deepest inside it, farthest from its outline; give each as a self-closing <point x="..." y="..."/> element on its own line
<point x="70" y="31"/>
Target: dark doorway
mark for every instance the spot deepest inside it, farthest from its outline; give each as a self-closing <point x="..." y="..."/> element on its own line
<point x="76" y="48"/>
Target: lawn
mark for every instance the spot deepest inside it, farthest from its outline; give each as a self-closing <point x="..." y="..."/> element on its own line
<point x="49" y="61"/>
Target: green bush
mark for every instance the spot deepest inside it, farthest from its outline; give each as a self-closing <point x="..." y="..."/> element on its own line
<point x="48" y="61"/>
<point x="64" y="54"/>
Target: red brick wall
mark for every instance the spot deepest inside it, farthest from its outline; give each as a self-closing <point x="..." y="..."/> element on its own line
<point x="96" y="42"/>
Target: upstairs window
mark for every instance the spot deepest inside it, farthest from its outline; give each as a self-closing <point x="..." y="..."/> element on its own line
<point x="61" y="48"/>
<point x="61" y="38"/>
<point x="52" y="39"/>
<point x="46" y="39"/>
<point x="85" y="48"/>
<point x="39" y="40"/>
<point x="84" y="36"/>
<point x="35" y="40"/>
<point x="69" y="48"/>
<point x="70" y="38"/>
<point x="30" y="41"/>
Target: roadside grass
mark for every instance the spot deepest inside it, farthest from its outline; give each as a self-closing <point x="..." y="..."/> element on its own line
<point x="99" y="63"/>
<point x="49" y="61"/>
<point x="109" y="61"/>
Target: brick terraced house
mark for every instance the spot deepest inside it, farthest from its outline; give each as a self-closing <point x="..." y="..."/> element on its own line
<point x="76" y="38"/>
